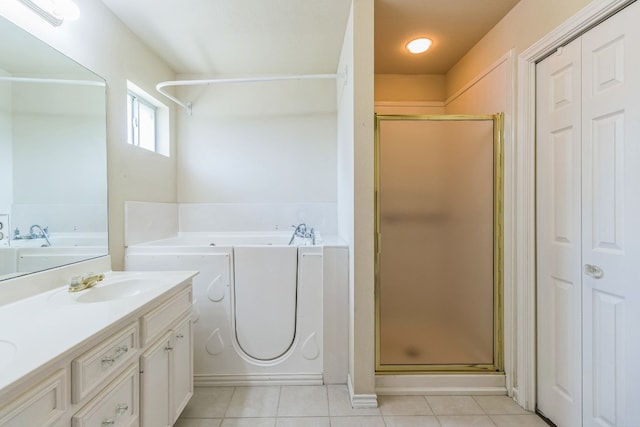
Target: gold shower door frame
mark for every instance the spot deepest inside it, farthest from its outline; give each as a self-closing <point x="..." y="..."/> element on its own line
<point x="498" y="185"/>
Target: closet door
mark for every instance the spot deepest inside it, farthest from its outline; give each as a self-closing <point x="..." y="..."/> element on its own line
<point x="559" y="291"/>
<point x="611" y="221"/>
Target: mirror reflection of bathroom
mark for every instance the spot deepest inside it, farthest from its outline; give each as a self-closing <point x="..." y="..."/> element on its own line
<point x="53" y="206"/>
<point x="438" y="204"/>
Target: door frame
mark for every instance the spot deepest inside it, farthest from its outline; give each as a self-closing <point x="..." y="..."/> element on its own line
<point x="525" y="170"/>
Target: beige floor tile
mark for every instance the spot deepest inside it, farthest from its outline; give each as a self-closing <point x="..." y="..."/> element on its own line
<point x="518" y="421"/>
<point x="404" y="405"/>
<point x="454" y="405"/>
<point x="198" y="422"/>
<point x="411" y="421"/>
<point x="357" y="422"/>
<point x="248" y="422"/>
<point x="499" y="405"/>
<point x="303" y="422"/>
<point x="465" y="421"/>
<point x="208" y="402"/>
<point x="254" y="402"/>
<point x="303" y="401"/>
<point x="340" y="403"/>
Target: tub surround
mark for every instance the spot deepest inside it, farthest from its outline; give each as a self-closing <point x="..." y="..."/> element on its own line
<point x="149" y="221"/>
<point x="49" y="332"/>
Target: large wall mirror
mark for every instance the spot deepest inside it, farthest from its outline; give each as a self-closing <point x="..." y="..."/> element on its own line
<point x="53" y="167"/>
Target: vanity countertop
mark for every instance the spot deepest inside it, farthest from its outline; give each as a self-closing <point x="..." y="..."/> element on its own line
<point x="39" y="330"/>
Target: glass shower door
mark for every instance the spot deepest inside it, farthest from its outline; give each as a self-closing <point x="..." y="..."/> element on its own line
<point x="438" y="201"/>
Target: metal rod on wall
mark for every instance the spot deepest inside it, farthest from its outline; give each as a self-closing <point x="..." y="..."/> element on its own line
<point x="188" y="105"/>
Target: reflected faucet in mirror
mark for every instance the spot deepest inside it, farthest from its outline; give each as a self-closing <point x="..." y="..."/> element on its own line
<point x="35" y="232"/>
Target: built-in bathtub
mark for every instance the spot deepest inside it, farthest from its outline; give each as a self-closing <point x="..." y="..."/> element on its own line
<point x="259" y="305"/>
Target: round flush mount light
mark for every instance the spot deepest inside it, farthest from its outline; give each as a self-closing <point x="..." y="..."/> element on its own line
<point x="419" y="45"/>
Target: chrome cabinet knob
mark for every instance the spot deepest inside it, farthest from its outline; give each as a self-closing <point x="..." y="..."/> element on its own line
<point x="593" y="271"/>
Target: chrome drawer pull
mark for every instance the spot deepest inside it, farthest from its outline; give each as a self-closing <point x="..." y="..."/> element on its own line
<point x="593" y="271"/>
<point x="179" y="336"/>
<point x="118" y="353"/>
<point x="121" y="409"/>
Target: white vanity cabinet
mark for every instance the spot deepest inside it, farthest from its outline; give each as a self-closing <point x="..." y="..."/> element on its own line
<point x="116" y="405"/>
<point x="166" y="366"/>
<point x="135" y="370"/>
<point x="43" y="404"/>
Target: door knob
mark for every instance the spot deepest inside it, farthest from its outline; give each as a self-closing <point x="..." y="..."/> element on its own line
<point x="593" y="271"/>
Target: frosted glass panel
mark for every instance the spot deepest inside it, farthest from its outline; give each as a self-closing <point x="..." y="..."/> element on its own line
<point x="436" y="287"/>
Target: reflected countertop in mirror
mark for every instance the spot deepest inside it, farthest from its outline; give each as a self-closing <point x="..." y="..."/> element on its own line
<point x="53" y="183"/>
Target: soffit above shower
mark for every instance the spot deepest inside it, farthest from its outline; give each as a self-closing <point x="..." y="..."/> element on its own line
<point x="454" y="26"/>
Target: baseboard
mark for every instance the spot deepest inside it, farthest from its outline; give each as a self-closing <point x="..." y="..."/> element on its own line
<point x="257" y="380"/>
<point x="361" y="401"/>
<point x="442" y="384"/>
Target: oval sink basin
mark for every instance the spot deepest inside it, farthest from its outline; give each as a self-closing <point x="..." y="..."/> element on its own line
<point x="8" y="351"/>
<point x="108" y="290"/>
<point x="115" y="290"/>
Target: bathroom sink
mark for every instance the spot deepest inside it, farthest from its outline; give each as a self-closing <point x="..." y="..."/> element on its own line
<point x="107" y="290"/>
<point x="115" y="290"/>
<point x="8" y="351"/>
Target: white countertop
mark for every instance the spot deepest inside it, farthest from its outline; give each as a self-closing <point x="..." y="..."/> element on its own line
<point x="39" y="329"/>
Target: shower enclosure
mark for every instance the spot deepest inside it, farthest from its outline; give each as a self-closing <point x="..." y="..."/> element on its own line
<point x="438" y="243"/>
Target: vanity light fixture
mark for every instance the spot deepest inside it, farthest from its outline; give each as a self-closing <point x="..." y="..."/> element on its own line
<point x="54" y="12"/>
<point x="419" y="45"/>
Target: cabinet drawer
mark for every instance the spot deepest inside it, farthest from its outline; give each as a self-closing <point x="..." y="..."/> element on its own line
<point x="116" y="406"/>
<point x="41" y="406"/>
<point x="92" y="368"/>
<point x="159" y="320"/>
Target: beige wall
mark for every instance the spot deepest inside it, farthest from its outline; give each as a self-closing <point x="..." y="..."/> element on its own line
<point x="409" y="87"/>
<point x="525" y="24"/>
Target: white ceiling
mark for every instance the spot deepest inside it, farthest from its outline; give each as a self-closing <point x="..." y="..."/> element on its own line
<point x="216" y="37"/>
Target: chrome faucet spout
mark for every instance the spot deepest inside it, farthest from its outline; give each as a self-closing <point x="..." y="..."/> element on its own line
<point x="42" y="233"/>
<point x="300" y="231"/>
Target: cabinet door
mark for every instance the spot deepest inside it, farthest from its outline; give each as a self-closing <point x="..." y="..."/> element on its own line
<point x="182" y="369"/>
<point x="154" y="383"/>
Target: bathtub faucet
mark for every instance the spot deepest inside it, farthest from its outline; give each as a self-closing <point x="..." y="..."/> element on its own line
<point x="42" y="233"/>
<point x="301" y="230"/>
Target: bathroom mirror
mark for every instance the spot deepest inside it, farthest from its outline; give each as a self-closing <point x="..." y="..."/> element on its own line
<point x="53" y="170"/>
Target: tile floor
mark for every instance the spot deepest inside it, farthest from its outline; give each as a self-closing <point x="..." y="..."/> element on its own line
<point x="329" y="406"/>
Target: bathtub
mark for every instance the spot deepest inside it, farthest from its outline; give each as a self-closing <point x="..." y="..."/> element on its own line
<point x="258" y="305"/>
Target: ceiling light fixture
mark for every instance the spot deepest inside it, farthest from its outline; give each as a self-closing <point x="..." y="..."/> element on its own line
<point x="419" y="45"/>
<point x="54" y="12"/>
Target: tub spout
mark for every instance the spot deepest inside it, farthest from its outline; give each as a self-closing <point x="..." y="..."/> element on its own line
<point x="300" y="231"/>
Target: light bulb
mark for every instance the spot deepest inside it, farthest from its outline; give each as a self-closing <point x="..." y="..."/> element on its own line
<point x="419" y="45"/>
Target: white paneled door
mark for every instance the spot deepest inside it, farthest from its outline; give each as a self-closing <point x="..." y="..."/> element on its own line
<point x="588" y="227"/>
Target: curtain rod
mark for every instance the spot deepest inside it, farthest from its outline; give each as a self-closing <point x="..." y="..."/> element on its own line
<point x="188" y="105"/>
<point x="58" y="81"/>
